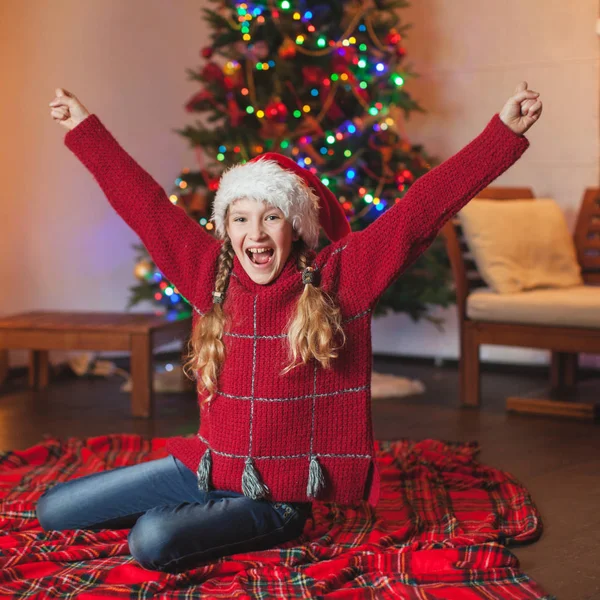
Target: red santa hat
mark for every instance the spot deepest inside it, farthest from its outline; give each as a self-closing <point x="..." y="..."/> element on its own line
<point x="280" y="181"/>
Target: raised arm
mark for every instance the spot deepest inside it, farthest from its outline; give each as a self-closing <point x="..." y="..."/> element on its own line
<point x="179" y="246"/>
<point x="368" y="261"/>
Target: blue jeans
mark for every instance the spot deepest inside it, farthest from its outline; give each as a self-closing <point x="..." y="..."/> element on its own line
<point x="174" y="525"/>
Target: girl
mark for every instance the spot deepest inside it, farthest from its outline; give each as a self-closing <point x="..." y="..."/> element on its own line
<point x="281" y="345"/>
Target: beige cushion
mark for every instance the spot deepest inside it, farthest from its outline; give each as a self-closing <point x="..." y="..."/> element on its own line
<point x="520" y="244"/>
<point x="561" y="307"/>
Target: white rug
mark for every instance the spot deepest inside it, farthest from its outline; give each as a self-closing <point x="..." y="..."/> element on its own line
<point x="165" y="381"/>
<point x="173" y="380"/>
<point x="392" y="386"/>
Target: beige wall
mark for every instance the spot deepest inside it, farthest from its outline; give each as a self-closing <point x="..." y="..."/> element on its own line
<point x="63" y="247"/>
<point x="470" y="55"/>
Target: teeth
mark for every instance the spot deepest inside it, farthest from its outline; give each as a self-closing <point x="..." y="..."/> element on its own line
<point x="259" y="250"/>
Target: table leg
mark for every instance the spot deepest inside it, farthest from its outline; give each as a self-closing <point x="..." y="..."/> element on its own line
<point x="38" y="369"/>
<point x="563" y="369"/>
<point x="141" y="376"/>
<point x="3" y="366"/>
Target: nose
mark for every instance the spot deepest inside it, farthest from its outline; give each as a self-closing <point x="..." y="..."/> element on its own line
<point x="256" y="229"/>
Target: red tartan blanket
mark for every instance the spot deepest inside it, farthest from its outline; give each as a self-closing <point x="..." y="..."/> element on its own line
<point x="440" y="532"/>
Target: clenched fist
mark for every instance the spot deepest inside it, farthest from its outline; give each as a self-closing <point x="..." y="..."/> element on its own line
<point x="67" y="110"/>
<point x="522" y="110"/>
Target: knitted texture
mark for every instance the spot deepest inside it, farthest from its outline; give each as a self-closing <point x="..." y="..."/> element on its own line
<point x="306" y="435"/>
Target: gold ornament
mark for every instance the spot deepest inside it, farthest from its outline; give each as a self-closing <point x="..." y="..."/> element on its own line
<point x="287" y="49"/>
<point x="143" y="269"/>
<point x="231" y="67"/>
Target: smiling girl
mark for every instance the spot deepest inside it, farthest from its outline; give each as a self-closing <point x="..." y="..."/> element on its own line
<point x="281" y="341"/>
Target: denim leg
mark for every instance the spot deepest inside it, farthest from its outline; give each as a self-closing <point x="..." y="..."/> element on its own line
<point x="115" y="499"/>
<point x="178" y="537"/>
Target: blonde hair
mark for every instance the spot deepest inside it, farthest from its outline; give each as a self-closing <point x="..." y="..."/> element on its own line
<point x="311" y="330"/>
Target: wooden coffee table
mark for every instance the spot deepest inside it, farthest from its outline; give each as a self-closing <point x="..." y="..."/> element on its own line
<point x="41" y="331"/>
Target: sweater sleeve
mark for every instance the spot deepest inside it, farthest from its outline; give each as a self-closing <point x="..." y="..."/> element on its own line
<point x="371" y="259"/>
<point x="179" y="246"/>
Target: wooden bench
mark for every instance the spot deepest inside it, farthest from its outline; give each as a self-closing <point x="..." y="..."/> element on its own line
<point x="41" y="331"/>
<point x="564" y="343"/>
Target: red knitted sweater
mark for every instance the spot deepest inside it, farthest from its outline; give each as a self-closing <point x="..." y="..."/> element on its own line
<point x="306" y="435"/>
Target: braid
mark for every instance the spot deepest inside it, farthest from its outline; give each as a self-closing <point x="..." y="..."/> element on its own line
<point x="302" y="261"/>
<point x="311" y="331"/>
<point x="316" y="322"/>
<point x="225" y="266"/>
<point x="206" y="349"/>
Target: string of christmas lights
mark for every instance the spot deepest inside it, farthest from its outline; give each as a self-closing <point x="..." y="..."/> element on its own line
<point x="336" y="121"/>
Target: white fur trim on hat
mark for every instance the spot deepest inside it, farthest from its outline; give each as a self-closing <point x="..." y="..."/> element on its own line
<point x="265" y="180"/>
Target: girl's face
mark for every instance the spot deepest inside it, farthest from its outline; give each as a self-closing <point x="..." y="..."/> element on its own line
<point x="254" y="225"/>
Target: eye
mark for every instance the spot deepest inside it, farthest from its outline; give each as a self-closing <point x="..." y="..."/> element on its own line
<point x="235" y="219"/>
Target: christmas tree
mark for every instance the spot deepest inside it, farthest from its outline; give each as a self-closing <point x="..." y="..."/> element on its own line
<point x="324" y="83"/>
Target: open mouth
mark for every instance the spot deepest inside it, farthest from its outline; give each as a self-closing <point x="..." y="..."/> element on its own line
<point x="261" y="259"/>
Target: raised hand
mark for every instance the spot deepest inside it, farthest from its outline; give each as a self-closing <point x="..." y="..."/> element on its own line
<point x="522" y="109"/>
<point x="67" y="110"/>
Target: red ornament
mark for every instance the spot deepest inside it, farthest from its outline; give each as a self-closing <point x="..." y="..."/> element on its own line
<point x="400" y="51"/>
<point x="212" y="73"/>
<point x="207" y="52"/>
<point x="276" y="111"/>
<point x="313" y="75"/>
<point x="235" y="113"/>
<point x="197" y="101"/>
<point x="287" y="49"/>
<point x="234" y="82"/>
<point x="393" y="38"/>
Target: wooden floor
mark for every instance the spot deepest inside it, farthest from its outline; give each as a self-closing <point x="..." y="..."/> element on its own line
<point x="557" y="460"/>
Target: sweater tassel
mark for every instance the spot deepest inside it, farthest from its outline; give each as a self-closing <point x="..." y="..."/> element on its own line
<point x="204" y="471"/>
<point x="252" y="486"/>
<point x="316" y="479"/>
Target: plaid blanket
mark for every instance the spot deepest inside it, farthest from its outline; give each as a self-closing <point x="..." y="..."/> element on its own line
<point x="440" y="532"/>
